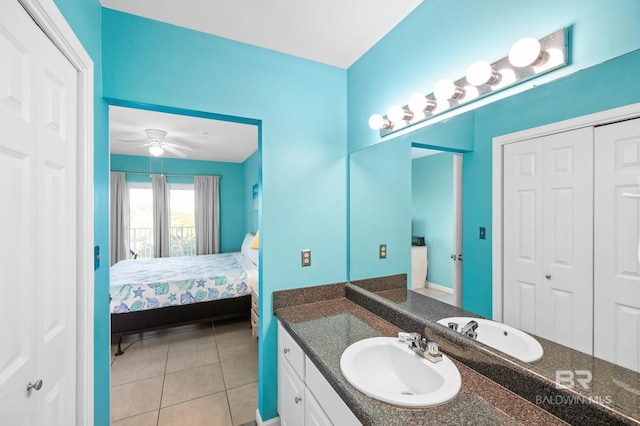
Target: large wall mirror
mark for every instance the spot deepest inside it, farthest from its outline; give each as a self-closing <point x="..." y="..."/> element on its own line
<point x="397" y="193"/>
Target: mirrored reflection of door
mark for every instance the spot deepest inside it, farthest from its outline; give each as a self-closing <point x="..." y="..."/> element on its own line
<point x="437" y="215"/>
<point x="457" y="229"/>
<point x="617" y="234"/>
<point x="548" y="240"/>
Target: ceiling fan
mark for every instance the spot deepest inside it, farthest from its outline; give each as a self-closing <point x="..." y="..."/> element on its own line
<point x="157" y="143"/>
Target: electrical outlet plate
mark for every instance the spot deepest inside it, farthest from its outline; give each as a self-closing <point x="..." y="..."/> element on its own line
<point x="383" y="251"/>
<point x="306" y="258"/>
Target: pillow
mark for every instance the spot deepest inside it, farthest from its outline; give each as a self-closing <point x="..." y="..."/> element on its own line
<point x="256" y="241"/>
<point x="246" y="249"/>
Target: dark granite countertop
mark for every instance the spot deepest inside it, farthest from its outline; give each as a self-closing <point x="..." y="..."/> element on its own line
<point x="617" y="387"/>
<point x="324" y="329"/>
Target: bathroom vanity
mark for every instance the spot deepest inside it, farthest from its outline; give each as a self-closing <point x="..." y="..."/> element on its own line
<point x="322" y="322"/>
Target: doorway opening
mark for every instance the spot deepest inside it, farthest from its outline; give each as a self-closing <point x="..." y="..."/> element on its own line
<point x="218" y="348"/>
<point x="437" y="222"/>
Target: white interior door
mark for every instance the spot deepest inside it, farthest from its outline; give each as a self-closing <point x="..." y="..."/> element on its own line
<point x="548" y="205"/>
<point x="38" y="221"/>
<point x="617" y="237"/>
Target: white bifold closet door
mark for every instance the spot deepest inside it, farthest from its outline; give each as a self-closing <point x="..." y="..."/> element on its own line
<point x="617" y="234"/>
<point x="548" y="237"/>
<point x="38" y="100"/>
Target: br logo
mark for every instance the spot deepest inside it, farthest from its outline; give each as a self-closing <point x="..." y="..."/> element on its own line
<point x="571" y="378"/>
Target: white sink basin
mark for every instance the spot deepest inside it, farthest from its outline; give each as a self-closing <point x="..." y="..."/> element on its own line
<point x="502" y="337"/>
<point x="388" y="370"/>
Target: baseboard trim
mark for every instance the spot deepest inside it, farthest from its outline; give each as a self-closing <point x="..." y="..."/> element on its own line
<point x="271" y="422"/>
<point x="440" y="287"/>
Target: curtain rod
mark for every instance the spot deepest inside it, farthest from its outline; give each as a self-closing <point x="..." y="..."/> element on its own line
<point x="165" y="174"/>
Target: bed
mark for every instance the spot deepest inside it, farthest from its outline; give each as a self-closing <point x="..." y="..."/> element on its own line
<point x="149" y="294"/>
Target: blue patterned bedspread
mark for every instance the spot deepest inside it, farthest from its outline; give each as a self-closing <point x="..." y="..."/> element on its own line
<point x="155" y="283"/>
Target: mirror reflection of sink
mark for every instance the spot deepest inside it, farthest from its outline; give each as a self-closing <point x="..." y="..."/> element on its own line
<point x="388" y="370"/>
<point x="502" y="337"/>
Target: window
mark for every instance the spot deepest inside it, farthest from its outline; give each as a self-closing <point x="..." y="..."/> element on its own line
<point x="182" y="220"/>
<point x="141" y="219"/>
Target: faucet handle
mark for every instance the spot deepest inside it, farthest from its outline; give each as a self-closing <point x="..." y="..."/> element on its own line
<point x="404" y="337"/>
<point x="433" y="348"/>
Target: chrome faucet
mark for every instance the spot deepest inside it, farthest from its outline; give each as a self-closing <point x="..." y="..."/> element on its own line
<point x="421" y="346"/>
<point x="470" y="329"/>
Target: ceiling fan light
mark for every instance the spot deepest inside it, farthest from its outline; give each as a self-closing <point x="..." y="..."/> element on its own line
<point x="156" y="150"/>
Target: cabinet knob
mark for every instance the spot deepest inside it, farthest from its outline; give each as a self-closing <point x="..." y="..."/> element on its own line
<point x="548" y="276"/>
<point x="286" y="350"/>
<point x="297" y="399"/>
<point x="34" y="386"/>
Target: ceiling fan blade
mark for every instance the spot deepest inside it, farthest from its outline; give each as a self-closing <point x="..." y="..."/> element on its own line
<point x="178" y="146"/>
<point x="173" y="150"/>
<point x="131" y="140"/>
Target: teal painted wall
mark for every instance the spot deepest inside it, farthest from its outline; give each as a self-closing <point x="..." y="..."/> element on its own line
<point x="233" y="206"/>
<point x="601" y="75"/>
<point x="432" y="217"/>
<point x="380" y="210"/>
<point x="85" y="19"/>
<point x="302" y="109"/>
<point x="251" y="168"/>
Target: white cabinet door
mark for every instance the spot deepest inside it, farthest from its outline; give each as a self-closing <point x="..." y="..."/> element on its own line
<point x="548" y="240"/>
<point x="617" y="238"/>
<point x="313" y="413"/>
<point x="37" y="222"/>
<point x="290" y="394"/>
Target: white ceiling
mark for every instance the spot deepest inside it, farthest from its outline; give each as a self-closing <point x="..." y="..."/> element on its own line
<point x="211" y="140"/>
<point x="334" y="32"/>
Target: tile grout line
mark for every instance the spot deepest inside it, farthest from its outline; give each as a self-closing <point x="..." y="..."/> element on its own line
<point x="164" y="379"/>
<point x="226" y="394"/>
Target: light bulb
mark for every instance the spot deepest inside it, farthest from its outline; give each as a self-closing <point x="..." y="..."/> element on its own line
<point x="397" y="114"/>
<point x="377" y="122"/>
<point x="419" y="103"/>
<point x="156" y="150"/>
<point x="508" y="77"/>
<point x="480" y="73"/>
<point x="471" y="93"/>
<point x="524" y="52"/>
<point x="446" y="89"/>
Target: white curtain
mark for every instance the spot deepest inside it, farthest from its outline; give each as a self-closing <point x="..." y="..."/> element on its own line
<point x="119" y="234"/>
<point x="161" y="232"/>
<point x="207" y="212"/>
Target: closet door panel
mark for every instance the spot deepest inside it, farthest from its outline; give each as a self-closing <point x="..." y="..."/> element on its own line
<point x="568" y="239"/>
<point x="617" y="237"/>
<point x="522" y="234"/>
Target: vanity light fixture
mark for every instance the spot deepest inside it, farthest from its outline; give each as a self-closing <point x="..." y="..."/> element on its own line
<point x="528" y="58"/>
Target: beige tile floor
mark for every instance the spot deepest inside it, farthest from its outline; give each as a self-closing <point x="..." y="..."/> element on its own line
<point x="200" y="374"/>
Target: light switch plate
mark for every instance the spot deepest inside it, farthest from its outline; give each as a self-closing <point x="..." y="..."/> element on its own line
<point x="383" y="251"/>
<point x="306" y="258"/>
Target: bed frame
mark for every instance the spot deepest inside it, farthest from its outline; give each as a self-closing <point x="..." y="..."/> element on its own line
<point x="172" y="316"/>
